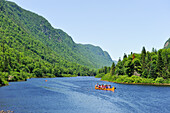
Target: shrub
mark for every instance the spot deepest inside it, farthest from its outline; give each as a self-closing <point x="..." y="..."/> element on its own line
<point x="147" y="80"/>
<point x="100" y="75"/>
<point x="68" y="75"/>
<point x="106" y="77"/>
<point x="114" y="77"/>
<point x="128" y="80"/>
<point x="50" y="75"/>
<point x="159" y="80"/>
<point x="121" y="78"/>
<point x="136" y="79"/>
<point x="3" y="82"/>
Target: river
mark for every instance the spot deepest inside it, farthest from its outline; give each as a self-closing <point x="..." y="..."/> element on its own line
<point x="78" y="95"/>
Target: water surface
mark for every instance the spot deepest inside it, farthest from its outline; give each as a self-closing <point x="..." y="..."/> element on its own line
<point x="77" y="95"/>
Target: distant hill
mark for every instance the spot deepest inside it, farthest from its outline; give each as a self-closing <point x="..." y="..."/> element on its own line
<point x="55" y="39"/>
<point x="167" y="44"/>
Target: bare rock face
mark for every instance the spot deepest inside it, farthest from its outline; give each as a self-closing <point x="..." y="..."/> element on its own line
<point x="166" y="45"/>
<point x="10" y="78"/>
<point x="136" y="73"/>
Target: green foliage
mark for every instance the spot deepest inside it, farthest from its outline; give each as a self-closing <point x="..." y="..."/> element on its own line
<point x="38" y="72"/>
<point x="31" y="47"/>
<point x="143" y="56"/>
<point x="125" y="56"/>
<point x="133" y="79"/>
<point x="55" y="39"/>
<point x="3" y="82"/>
<point x="120" y="69"/>
<point x="136" y="79"/>
<point x="147" y="67"/>
<point x="152" y="70"/>
<point x="106" y="77"/>
<point x="160" y="63"/>
<point x="137" y="65"/>
<point x="68" y="75"/>
<point x="112" y="71"/>
<point x="121" y="78"/>
<point x="99" y="75"/>
<point x="159" y="80"/>
<point x="129" y="68"/>
<point x="147" y="80"/>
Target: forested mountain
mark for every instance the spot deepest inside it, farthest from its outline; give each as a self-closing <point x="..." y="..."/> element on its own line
<point x="31" y="47"/>
<point x="167" y="44"/>
<point x="56" y="39"/>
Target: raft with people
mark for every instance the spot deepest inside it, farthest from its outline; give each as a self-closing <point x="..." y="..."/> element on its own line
<point x="105" y="87"/>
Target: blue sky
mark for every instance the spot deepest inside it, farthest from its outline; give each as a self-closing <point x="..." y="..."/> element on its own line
<point x="117" y="26"/>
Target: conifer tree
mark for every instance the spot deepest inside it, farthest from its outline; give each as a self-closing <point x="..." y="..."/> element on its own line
<point x="125" y="56"/>
<point x="112" y="71"/>
<point x="105" y="69"/>
<point x="152" y="71"/>
<point x="143" y="55"/>
<point x="160" y="63"/>
<point x="119" y="59"/>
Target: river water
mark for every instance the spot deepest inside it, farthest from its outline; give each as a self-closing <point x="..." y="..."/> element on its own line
<point x="78" y="95"/>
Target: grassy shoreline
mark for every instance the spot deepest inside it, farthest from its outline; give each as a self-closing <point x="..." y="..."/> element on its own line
<point x="136" y="80"/>
<point x="149" y="84"/>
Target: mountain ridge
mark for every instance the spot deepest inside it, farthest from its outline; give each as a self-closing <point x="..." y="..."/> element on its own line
<point x="56" y="39"/>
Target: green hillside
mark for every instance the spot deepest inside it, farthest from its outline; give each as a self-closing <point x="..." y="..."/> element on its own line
<point x="167" y="44"/>
<point x="144" y="68"/>
<point x="31" y="47"/>
<point x="56" y="39"/>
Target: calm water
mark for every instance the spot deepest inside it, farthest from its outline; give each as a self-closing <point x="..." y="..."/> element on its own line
<point x="77" y="95"/>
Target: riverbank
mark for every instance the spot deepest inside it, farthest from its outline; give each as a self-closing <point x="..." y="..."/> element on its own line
<point x="6" y="83"/>
<point x="8" y="111"/>
<point x="149" y="84"/>
<point x="136" y="80"/>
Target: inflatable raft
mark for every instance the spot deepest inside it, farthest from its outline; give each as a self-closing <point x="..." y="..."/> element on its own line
<point x="109" y="89"/>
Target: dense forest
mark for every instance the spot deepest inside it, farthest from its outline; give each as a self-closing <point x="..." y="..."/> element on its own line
<point x="146" y="67"/>
<point x="30" y="47"/>
<point x="23" y="56"/>
<point x="55" y="39"/>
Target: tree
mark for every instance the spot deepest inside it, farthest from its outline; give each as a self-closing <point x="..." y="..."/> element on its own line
<point x="137" y="65"/>
<point x="165" y="58"/>
<point x="120" y="68"/>
<point x="143" y="55"/>
<point x="160" y="63"/>
<point x="119" y="59"/>
<point x="125" y="56"/>
<point x="105" y="69"/>
<point x="129" y="67"/>
<point x="108" y="69"/>
<point x="154" y="50"/>
<point x="152" y="71"/>
<point x="38" y="72"/>
<point x="112" y="71"/>
<point x="148" y="61"/>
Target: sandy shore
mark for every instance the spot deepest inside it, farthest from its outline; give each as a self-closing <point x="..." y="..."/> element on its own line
<point x="8" y="111"/>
